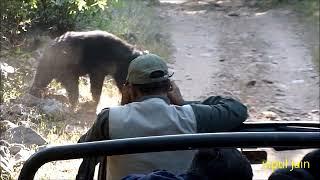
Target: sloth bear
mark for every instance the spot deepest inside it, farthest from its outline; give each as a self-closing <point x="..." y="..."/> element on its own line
<point x="75" y="54"/>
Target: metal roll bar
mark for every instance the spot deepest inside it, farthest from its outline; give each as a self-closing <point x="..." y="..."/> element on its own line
<point x="168" y="143"/>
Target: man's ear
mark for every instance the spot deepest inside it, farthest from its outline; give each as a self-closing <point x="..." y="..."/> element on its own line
<point x="126" y="94"/>
<point x="131" y="92"/>
<point x="170" y="86"/>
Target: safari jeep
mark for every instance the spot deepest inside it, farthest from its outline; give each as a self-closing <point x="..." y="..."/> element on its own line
<point x="250" y="137"/>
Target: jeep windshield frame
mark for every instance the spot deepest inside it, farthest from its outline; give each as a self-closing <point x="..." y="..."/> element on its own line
<point x="294" y="135"/>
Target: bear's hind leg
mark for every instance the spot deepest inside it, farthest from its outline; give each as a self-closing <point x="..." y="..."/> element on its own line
<point x="71" y="84"/>
<point x="96" y="82"/>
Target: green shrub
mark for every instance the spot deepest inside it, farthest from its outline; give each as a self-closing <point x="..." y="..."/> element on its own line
<point x="15" y="18"/>
<point x="18" y="17"/>
<point x="134" y="21"/>
<point x="307" y="7"/>
<point x="16" y="73"/>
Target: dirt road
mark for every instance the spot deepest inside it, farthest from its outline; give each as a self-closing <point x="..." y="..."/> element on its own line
<point x="227" y="48"/>
<point x="262" y="58"/>
<point x="259" y="57"/>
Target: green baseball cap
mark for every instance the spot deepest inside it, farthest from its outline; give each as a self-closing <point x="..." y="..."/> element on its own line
<point x="147" y="69"/>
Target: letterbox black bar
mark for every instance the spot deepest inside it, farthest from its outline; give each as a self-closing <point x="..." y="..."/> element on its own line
<point x="168" y="143"/>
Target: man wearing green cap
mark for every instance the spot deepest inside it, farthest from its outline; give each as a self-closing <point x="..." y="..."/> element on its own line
<point x="152" y="105"/>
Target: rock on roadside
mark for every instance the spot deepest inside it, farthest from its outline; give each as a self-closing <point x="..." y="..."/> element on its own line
<point x="23" y="135"/>
<point x="15" y="148"/>
<point x="5" y="167"/>
<point x="5" y="125"/>
<point x="53" y="108"/>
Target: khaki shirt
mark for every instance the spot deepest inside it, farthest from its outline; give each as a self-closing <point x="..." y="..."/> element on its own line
<point x="155" y="116"/>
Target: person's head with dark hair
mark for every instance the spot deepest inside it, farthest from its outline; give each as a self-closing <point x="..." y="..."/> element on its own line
<point x="147" y="75"/>
<point x="313" y="158"/>
<point x="221" y="164"/>
<point x="207" y="164"/>
<point x="291" y="174"/>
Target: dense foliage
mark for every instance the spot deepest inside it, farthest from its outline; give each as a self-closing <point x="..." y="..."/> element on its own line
<point x="307" y="7"/>
<point x="19" y="17"/>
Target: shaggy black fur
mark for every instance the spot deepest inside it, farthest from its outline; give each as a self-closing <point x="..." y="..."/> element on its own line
<point x="74" y="54"/>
